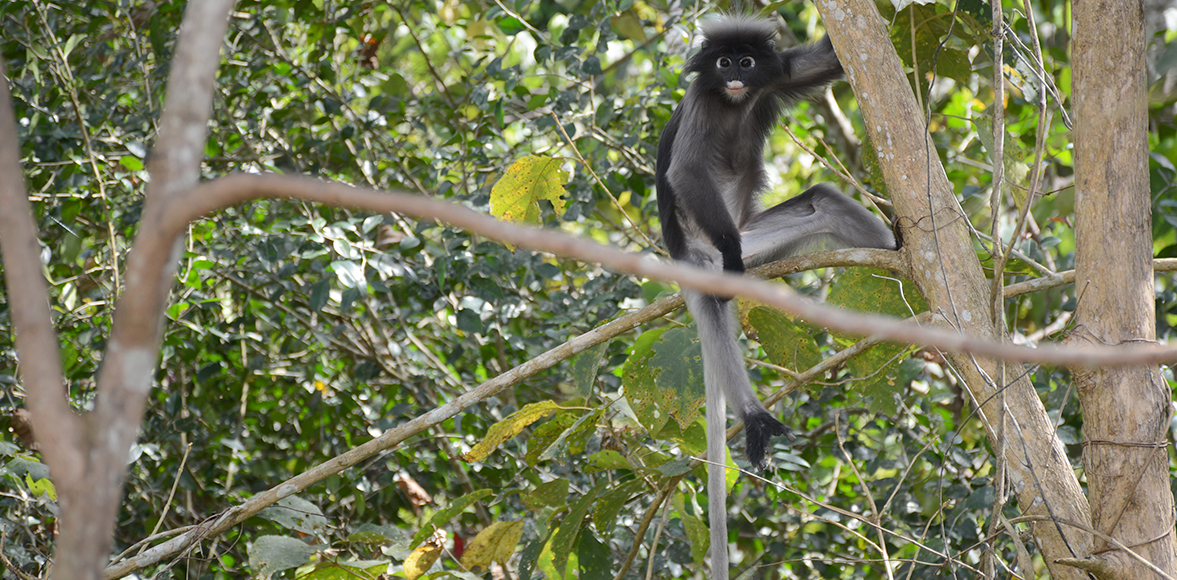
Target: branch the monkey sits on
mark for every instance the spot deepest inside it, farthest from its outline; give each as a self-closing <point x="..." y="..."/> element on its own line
<point x="710" y="174"/>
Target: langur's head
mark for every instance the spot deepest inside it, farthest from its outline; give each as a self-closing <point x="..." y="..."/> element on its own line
<point x="738" y="57"/>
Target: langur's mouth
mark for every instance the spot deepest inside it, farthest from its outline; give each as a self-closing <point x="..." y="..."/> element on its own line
<point x="736" y="89"/>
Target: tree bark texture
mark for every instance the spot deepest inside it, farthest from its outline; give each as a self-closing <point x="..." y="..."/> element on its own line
<point x="1126" y="411"/>
<point x="88" y="464"/>
<point x="946" y="270"/>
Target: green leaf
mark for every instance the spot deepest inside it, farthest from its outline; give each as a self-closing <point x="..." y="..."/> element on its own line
<point x="469" y="321"/>
<point x="70" y="44"/>
<point x="585" y="425"/>
<point x="351" y="570"/>
<point x="606" y="460"/>
<point x="676" y="467"/>
<point x="373" y="534"/>
<point x="545" y="435"/>
<point x="594" y="559"/>
<point x="516" y="196"/>
<point x="569" y="528"/>
<point x="269" y="554"/>
<point x="874" y="290"/>
<point x="529" y="557"/>
<point x="787" y="343"/>
<point x="549" y="494"/>
<point x="696" y="529"/>
<point x="886" y="374"/>
<point x="663" y="378"/>
<point x="949" y="61"/>
<point x="131" y="162"/>
<point x="584" y="370"/>
<point x="295" y="513"/>
<point x="439" y="520"/>
<point x="678" y="357"/>
<point x="41" y="487"/>
<point x="610" y="504"/>
<point x="320" y="293"/>
<point x="640" y="381"/>
<point x="629" y="26"/>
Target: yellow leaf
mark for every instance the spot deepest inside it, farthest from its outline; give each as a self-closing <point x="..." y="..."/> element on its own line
<point x="494" y="544"/>
<point x="421" y="560"/>
<point x="516" y="196"/>
<point x="509" y="427"/>
<point x="41" y="487"/>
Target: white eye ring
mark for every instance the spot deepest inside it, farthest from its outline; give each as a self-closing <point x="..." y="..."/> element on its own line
<point x="747" y="62"/>
<point x="723" y="62"/>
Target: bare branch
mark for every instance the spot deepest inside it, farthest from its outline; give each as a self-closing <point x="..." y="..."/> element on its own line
<point x="231" y="190"/>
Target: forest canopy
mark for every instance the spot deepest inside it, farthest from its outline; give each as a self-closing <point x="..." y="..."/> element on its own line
<point x="296" y="332"/>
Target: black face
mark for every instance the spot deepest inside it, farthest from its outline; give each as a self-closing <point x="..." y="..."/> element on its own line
<point x="735" y="71"/>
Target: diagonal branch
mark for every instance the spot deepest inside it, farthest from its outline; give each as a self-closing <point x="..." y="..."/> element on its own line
<point x="228" y="191"/>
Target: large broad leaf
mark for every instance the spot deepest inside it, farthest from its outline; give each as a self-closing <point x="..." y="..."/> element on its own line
<point x="572" y="439"/>
<point x="496" y="543"/>
<point x="663" y="378"/>
<point x="950" y="61"/>
<point x="788" y="344"/>
<point x="269" y="554"/>
<point x="545" y="435"/>
<point x="876" y="291"/>
<point x="610" y="504"/>
<point x="516" y="196"/>
<point x="297" y="514"/>
<point x="594" y="559"/>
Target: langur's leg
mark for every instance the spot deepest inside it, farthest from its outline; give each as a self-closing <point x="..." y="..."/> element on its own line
<point x="820" y="215"/>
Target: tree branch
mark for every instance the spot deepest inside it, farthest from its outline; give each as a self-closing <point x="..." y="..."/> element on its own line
<point x="28" y="305"/>
<point x="228" y="191"/>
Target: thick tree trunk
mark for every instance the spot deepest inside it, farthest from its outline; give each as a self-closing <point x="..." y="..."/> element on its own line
<point x="945" y="268"/>
<point x="1126" y="411"/>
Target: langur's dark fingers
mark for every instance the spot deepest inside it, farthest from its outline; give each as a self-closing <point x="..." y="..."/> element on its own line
<point x="895" y="229"/>
<point x="759" y="428"/>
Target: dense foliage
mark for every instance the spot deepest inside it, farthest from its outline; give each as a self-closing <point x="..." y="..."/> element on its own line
<point x="297" y="332"/>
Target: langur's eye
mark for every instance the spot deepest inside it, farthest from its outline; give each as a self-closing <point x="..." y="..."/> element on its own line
<point x="747" y="62"/>
<point x="723" y="62"/>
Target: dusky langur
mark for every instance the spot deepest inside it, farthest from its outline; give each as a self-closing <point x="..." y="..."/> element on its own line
<point x="710" y="172"/>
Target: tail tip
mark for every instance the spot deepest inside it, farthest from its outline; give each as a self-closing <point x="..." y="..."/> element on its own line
<point x="759" y="427"/>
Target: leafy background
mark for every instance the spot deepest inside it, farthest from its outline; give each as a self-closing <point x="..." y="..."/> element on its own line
<point x="297" y="332"/>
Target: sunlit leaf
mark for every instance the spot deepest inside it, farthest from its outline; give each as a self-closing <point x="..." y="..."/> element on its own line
<point x="510" y="427"/>
<point x="515" y="197"/>
<point x="421" y="560"/>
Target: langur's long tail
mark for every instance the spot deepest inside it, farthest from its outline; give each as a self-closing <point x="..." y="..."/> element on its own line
<point x="726" y="379"/>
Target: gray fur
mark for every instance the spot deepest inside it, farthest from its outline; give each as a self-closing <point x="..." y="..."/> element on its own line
<point x="710" y="176"/>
